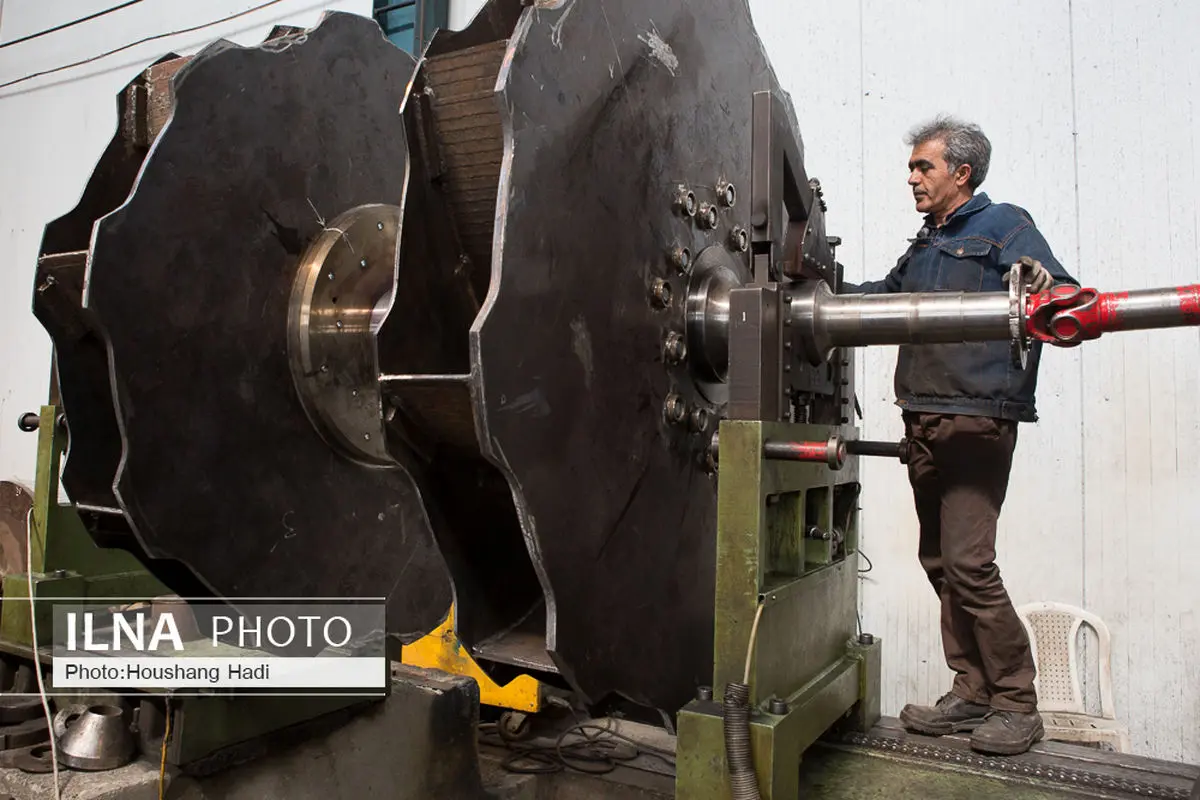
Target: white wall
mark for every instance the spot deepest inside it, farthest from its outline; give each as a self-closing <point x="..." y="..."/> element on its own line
<point x="1091" y="111"/>
<point x="54" y="128"/>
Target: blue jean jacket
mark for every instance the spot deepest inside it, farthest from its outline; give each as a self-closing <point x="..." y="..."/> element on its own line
<point x="969" y="253"/>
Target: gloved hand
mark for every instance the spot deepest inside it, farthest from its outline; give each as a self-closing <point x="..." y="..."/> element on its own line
<point x="1036" y="277"/>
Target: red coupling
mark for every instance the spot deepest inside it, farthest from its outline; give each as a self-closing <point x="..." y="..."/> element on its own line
<point x="1067" y="315"/>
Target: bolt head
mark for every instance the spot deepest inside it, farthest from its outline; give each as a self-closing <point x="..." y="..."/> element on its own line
<point x="660" y="293"/>
<point x="866" y="639"/>
<point x="728" y="195"/>
<point x="778" y="707"/>
<point x="685" y="201"/>
<point x="707" y="216"/>
<point x="739" y="239"/>
<point x="674" y="348"/>
<point x="699" y="420"/>
<point x="675" y="409"/>
<point x="681" y="257"/>
<point x="704" y="693"/>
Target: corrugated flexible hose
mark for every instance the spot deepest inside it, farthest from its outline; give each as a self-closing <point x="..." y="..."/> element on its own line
<point x="736" y="704"/>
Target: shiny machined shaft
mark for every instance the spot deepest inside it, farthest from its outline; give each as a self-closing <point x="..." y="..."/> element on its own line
<point x="826" y="321"/>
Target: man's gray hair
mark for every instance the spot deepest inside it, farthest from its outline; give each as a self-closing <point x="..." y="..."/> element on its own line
<point x="965" y="144"/>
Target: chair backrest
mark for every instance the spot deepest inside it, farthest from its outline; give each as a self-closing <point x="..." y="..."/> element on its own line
<point x="1053" y="629"/>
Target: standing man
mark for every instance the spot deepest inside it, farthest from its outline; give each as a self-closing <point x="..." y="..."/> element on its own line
<point x="961" y="406"/>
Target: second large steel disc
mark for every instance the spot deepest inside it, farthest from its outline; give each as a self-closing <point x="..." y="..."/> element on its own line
<point x="614" y="111"/>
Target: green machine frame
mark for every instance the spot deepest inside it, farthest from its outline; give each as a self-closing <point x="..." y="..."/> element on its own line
<point x="787" y="574"/>
<point x="67" y="563"/>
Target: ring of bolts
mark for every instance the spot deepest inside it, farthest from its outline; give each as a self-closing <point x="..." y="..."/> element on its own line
<point x="674" y="346"/>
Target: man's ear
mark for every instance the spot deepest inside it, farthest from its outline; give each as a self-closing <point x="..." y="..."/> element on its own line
<point x="962" y="174"/>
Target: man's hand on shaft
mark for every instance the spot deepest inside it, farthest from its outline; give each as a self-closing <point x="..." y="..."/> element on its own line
<point x="1036" y="277"/>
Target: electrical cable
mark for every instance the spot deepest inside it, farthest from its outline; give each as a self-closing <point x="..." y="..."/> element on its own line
<point x="143" y="40"/>
<point x="870" y="566"/>
<point x="37" y="664"/>
<point x="70" y="24"/>
<point x="753" y="635"/>
<point x="592" y="753"/>
<point x="162" y="766"/>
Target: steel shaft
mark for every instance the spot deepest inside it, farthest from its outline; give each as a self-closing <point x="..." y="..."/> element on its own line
<point x="1063" y="316"/>
<point x="825" y="321"/>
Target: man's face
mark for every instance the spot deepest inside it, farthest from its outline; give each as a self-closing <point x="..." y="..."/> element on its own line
<point x="935" y="188"/>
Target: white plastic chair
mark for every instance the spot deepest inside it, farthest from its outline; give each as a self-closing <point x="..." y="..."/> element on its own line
<point x="1053" y="629"/>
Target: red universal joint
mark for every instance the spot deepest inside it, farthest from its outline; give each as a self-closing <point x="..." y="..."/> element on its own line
<point x="1068" y="315"/>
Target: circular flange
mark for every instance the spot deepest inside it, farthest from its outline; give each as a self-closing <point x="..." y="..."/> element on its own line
<point x="715" y="275"/>
<point x="341" y="294"/>
<point x="1016" y="317"/>
<point x="191" y="280"/>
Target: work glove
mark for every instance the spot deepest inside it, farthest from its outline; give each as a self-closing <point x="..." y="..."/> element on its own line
<point x="1036" y="277"/>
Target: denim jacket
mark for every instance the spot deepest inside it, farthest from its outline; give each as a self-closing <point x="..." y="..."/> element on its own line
<point x="969" y="253"/>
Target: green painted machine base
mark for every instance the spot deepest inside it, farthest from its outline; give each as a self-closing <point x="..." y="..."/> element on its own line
<point x="845" y="693"/>
<point x="787" y="569"/>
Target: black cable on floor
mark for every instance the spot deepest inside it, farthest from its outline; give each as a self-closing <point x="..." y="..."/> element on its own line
<point x="598" y="750"/>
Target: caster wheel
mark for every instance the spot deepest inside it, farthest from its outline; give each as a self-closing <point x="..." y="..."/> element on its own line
<point x="515" y="725"/>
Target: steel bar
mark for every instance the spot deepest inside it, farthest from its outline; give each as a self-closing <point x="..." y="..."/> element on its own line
<point x="824" y="321"/>
<point x="863" y="447"/>
<point x="831" y="452"/>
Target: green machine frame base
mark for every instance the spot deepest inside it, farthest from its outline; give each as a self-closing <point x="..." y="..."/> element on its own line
<point x="787" y="570"/>
<point x="66" y="563"/>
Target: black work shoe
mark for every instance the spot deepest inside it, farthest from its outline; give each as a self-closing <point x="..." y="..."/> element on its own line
<point x="1007" y="733"/>
<point x="950" y="714"/>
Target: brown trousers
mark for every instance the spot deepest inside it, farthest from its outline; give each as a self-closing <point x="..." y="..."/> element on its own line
<point x="958" y="468"/>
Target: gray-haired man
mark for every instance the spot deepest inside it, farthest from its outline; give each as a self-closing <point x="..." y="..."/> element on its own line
<point x="961" y="405"/>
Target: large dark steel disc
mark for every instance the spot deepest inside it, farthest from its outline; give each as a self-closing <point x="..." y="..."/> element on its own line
<point x="610" y="107"/>
<point x="266" y="147"/>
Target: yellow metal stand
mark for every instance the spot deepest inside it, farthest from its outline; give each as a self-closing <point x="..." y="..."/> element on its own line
<point x="440" y="649"/>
